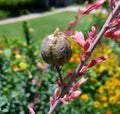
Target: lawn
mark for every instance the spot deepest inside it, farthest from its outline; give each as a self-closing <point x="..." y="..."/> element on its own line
<point x="41" y="26"/>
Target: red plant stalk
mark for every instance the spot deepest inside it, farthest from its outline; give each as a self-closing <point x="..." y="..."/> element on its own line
<point x="81" y="64"/>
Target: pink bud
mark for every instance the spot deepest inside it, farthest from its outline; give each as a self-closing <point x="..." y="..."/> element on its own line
<point x="94" y="28"/>
<point x="83" y="69"/>
<point x="79" y="38"/>
<point x="31" y="111"/>
<point x="78" y="83"/>
<point x="85" y="56"/>
<point x="72" y="23"/>
<point x="112" y="4"/>
<point x="60" y="84"/>
<point x="97" y="60"/>
<point x="52" y="101"/>
<point x="86" y="45"/>
<point x="115" y="22"/>
<point x="64" y="101"/>
<point x="56" y="93"/>
<point x="75" y="94"/>
<point x="86" y="3"/>
<point x="113" y="33"/>
<point x="94" y="6"/>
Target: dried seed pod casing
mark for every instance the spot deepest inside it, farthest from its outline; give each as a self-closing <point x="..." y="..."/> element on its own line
<point x="55" y="49"/>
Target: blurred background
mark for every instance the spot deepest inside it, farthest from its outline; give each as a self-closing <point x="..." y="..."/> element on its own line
<point x="10" y="8"/>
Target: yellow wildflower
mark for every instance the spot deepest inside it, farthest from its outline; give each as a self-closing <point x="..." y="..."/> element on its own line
<point x="69" y="70"/>
<point x="118" y="93"/>
<point x="110" y="65"/>
<point x="23" y="65"/>
<point x="103" y="98"/>
<point x="14" y="67"/>
<point x="24" y="44"/>
<point x="18" y="56"/>
<point x="2" y="38"/>
<point x="97" y="14"/>
<point x="89" y="18"/>
<point x="77" y="59"/>
<point x="105" y="105"/>
<point x="101" y="90"/>
<point x="84" y="96"/>
<point x="96" y="104"/>
<point x="72" y="60"/>
<point x="92" y="79"/>
<point x="104" y="16"/>
<point x="16" y="51"/>
<point x="112" y="100"/>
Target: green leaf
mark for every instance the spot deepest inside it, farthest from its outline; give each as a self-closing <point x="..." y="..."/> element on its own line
<point x="7" y="53"/>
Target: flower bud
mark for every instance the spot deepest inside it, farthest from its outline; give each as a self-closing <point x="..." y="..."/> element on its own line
<point x="55" y="49"/>
<point x="56" y="93"/>
<point x="75" y="94"/>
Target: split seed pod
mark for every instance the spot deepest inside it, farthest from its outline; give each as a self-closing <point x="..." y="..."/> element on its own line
<point x="55" y="49"/>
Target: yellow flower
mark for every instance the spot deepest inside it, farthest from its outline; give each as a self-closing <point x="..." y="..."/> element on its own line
<point x="118" y="93"/>
<point x="75" y="55"/>
<point x="89" y="18"/>
<point x="2" y="38"/>
<point x="14" y="67"/>
<point x="104" y="16"/>
<point x="103" y="98"/>
<point x="77" y="59"/>
<point x="105" y="105"/>
<point x="84" y="96"/>
<point x="92" y="79"/>
<point x="18" y="56"/>
<point x="24" y="44"/>
<point x="72" y="60"/>
<point x="112" y="100"/>
<point x="110" y="65"/>
<point x="16" y="51"/>
<point x="101" y="89"/>
<point x="97" y="14"/>
<point x="23" y="65"/>
<point x="69" y="70"/>
<point x="110" y="92"/>
<point x="96" y="104"/>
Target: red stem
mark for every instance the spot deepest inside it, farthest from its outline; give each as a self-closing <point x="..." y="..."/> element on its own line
<point x="76" y="72"/>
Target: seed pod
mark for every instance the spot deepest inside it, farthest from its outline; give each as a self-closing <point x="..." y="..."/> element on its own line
<point x="55" y="49"/>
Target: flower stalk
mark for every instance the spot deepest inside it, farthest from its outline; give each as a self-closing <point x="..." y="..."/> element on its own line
<point x="81" y="64"/>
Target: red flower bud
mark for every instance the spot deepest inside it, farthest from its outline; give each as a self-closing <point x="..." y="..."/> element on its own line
<point x="78" y="83"/>
<point x="75" y="94"/>
<point x="94" y="6"/>
<point x="56" y="93"/>
<point x="113" y="33"/>
<point x="52" y="101"/>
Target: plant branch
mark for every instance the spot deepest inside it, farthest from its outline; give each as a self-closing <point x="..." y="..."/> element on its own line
<point x="59" y="75"/>
<point x="76" y="72"/>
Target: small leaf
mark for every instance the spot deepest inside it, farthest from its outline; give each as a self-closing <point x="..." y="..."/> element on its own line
<point x="7" y="53"/>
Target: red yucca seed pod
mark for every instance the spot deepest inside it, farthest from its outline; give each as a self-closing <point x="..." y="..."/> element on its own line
<point x="55" y="49"/>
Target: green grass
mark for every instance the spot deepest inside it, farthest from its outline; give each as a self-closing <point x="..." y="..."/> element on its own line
<point x="41" y="26"/>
